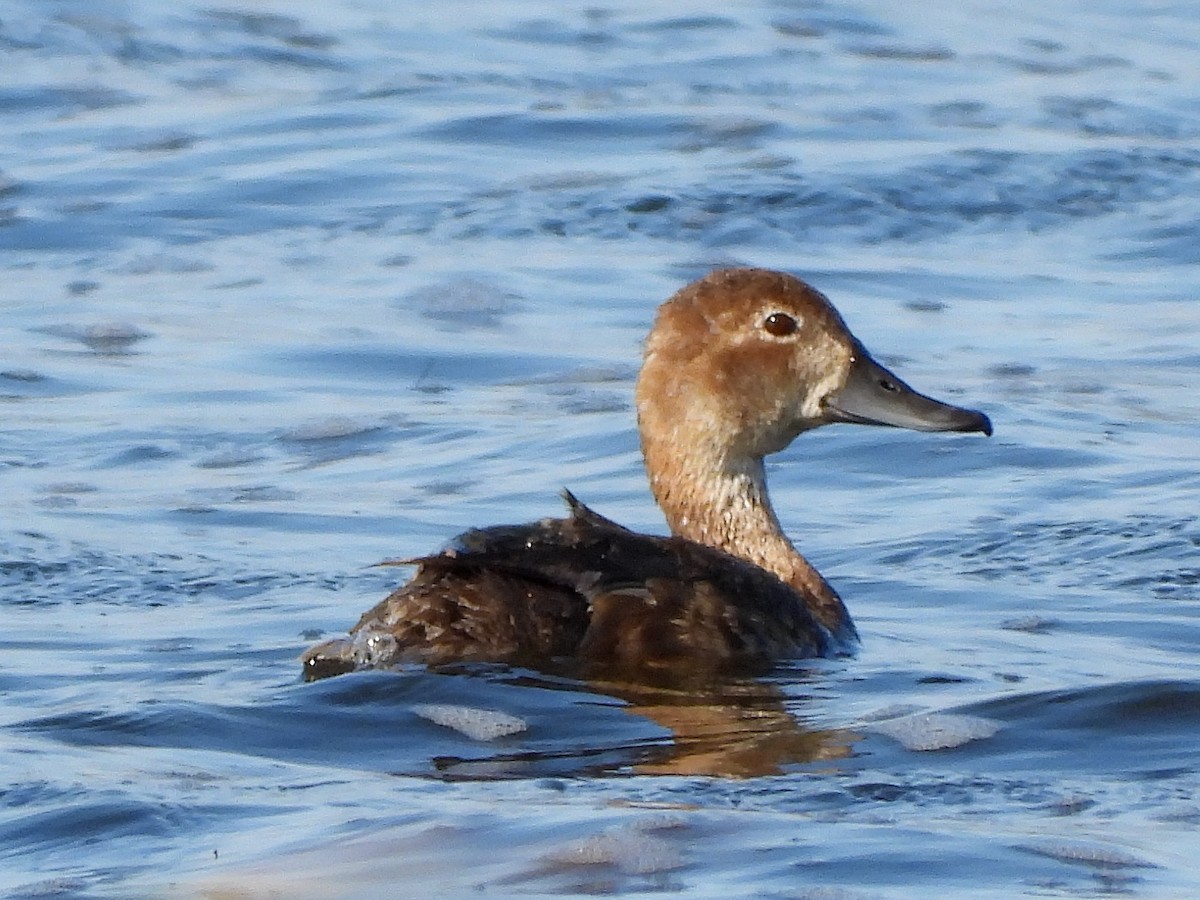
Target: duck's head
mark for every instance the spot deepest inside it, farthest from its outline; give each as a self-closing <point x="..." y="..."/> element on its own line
<point x="743" y="360"/>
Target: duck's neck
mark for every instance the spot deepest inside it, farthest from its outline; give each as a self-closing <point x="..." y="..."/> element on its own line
<point x="724" y="503"/>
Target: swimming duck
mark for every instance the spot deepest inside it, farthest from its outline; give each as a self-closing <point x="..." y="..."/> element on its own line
<point x="736" y="366"/>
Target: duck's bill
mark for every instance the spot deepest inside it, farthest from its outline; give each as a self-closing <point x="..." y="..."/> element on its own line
<point x="874" y="396"/>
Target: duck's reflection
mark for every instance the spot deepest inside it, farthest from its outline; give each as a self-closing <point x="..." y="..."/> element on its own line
<point x="734" y="727"/>
<point x="740" y="729"/>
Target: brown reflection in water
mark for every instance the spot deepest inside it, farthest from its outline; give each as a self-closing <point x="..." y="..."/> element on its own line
<point x="720" y="726"/>
<point x="725" y="726"/>
<point x="738" y="729"/>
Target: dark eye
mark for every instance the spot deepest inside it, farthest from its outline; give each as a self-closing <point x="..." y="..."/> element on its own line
<point x="780" y="324"/>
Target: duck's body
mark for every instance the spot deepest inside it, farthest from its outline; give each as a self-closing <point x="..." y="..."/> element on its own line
<point x="737" y="365"/>
<point x="583" y="588"/>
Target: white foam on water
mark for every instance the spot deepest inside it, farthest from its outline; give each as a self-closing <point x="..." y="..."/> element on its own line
<point x="936" y="731"/>
<point x="327" y="428"/>
<point x="477" y="724"/>
<point x="630" y="850"/>
<point x="1095" y="855"/>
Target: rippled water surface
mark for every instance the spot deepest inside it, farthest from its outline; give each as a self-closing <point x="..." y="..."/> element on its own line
<point x="293" y="288"/>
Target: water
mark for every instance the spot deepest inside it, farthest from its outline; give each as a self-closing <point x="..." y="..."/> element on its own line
<point x="290" y="290"/>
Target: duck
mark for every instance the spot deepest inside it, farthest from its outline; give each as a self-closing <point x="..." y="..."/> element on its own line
<point x="736" y="366"/>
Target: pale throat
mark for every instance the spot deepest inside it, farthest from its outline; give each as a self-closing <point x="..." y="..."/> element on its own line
<point x="724" y="503"/>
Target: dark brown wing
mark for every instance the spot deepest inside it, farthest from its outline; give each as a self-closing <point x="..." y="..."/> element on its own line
<point x="450" y="614"/>
<point x="673" y="625"/>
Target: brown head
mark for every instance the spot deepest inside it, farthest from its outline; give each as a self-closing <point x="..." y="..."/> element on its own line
<point x="737" y="365"/>
<point x="742" y="358"/>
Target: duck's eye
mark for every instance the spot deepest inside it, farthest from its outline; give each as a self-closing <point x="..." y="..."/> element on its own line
<point x="780" y="324"/>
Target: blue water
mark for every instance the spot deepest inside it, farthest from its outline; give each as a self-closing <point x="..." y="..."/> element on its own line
<point x="291" y="288"/>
